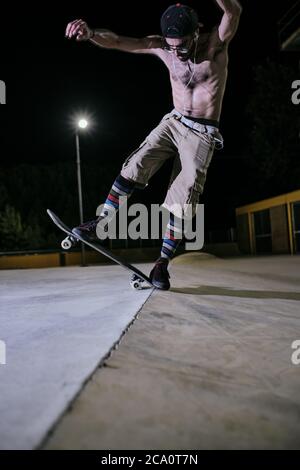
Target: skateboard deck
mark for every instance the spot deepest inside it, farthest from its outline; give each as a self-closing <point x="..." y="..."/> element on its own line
<point x="138" y="276"/>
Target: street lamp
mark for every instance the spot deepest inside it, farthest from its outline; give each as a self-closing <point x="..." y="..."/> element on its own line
<point x="81" y="124"/>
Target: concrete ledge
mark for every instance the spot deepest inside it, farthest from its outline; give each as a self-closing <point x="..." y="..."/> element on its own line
<point x="60" y="258"/>
<point x="49" y="260"/>
<point x="32" y="260"/>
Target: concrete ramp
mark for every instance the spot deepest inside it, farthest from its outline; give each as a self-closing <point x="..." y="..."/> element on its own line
<point x="58" y="324"/>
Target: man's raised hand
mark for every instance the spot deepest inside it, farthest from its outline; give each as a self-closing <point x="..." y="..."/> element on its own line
<point x="78" y="29"/>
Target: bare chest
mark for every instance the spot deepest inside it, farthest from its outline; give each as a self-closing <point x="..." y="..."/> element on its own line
<point x="190" y="74"/>
<point x="208" y="69"/>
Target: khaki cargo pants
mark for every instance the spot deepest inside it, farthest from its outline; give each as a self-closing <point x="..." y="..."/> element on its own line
<point x="190" y="144"/>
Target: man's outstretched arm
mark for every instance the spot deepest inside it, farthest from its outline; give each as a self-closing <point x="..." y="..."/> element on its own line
<point x="104" y="38"/>
<point x="230" y="20"/>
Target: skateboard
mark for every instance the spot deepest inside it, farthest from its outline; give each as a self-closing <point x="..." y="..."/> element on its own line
<point x="138" y="279"/>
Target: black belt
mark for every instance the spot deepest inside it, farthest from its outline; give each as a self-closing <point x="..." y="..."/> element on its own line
<point x="206" y="122"/>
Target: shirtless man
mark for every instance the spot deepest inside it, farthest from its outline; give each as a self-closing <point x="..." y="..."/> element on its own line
<point x="197" y="64"/>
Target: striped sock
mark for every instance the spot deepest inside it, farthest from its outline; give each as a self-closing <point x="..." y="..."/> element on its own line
<point x="172" y="238"/>
<point x="121" y="187"/>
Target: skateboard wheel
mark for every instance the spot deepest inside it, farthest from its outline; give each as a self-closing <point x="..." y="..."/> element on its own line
<point x="136" y="282"/>
<point x="67" y="243"/>
<point x="136" y="285"/>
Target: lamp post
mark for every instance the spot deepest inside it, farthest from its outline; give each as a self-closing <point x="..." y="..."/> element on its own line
<point x="81" y="124"/>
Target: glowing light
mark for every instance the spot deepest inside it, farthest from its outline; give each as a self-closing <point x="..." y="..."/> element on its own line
<point x="82" y="123"/>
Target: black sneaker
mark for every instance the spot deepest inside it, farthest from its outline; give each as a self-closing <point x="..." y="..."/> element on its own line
<point x="88" y="229"/>
<point x="159" y="275"/>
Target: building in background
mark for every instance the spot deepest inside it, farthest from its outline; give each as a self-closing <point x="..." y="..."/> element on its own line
<point x="270" y="226"/>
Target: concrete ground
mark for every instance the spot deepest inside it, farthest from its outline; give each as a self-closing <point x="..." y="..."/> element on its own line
<point x="206" y="365"/>
<point x="58" y="324"/>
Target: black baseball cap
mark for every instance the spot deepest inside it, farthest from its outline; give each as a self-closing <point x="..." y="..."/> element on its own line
<point x="179" y="21"/>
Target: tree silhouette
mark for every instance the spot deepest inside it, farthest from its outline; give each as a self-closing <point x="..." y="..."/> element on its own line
<point x="273" y="125"/>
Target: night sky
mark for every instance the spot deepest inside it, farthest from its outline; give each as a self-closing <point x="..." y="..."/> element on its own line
<point x="50" y="78"/>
